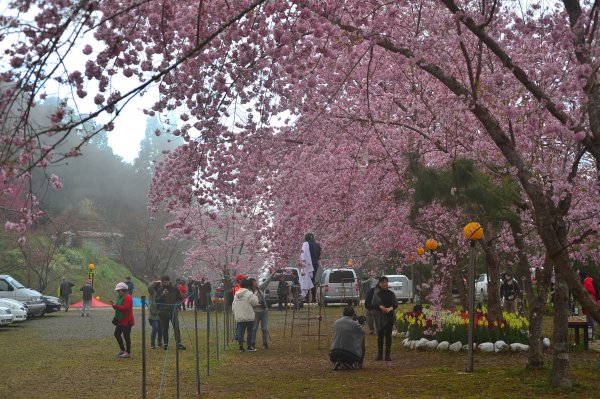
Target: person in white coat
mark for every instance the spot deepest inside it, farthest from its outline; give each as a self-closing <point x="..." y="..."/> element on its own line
<point x="244" y="301"/>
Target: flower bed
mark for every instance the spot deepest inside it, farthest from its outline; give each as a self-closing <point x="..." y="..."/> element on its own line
<point x="451" y="326"/>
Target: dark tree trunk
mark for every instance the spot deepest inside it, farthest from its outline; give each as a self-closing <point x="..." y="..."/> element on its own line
<point x="493" y="266"/>
<point x="537" y="302"/>
<point x="561" y="368"/>
<point x="462" y="289"/>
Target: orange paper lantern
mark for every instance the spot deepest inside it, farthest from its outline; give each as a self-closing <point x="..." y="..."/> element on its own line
<point x="473" y="231"/>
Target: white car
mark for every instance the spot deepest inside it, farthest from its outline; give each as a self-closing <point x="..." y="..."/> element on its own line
<point x="18" y="309"/>
<point x="481" y="288"/>
<point x="6" y="316"/>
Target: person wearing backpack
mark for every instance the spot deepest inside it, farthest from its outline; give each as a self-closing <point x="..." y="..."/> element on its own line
<point x="88" y="291"/>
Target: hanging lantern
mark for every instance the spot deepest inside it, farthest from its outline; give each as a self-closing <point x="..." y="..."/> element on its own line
<point x="473" y="231"/>
<point x="91" y="266"/>
<point x="431" y="244"/>
<point x="420" y="250"/>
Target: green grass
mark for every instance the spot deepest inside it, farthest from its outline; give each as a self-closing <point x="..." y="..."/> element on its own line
<point x="81" y="364"/>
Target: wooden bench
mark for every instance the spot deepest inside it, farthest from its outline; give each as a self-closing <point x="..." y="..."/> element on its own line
<point x="578" y="323"/>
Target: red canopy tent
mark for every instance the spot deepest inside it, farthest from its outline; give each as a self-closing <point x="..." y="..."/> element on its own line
<point x="95" y="304"/>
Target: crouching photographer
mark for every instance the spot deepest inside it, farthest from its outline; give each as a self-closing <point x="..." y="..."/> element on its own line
<point x="347" y="351"/>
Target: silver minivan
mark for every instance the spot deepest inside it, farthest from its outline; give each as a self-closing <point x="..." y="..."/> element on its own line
<point x="290" y="274"/>
<point x="339" y="286"/>
<point x="401" y="286"/>
<point x="12" y="289"/>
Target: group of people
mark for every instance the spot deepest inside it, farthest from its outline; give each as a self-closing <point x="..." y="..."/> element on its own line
<point x="65" y="290"/>
<point x="250" y="310"/>
<point x="348" y="347"/>
<point x="197" y="293"/>
<point x="164" y="300"/>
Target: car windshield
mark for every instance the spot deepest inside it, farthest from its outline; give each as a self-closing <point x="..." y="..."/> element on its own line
<point x="14" y="282"/>
<point x="341" y="276"/>
<point x="395" y="279"/>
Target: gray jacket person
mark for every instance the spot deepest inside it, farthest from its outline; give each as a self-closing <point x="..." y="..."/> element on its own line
<point x="348" y="348"/>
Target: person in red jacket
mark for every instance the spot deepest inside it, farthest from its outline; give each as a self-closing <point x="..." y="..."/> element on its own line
<point x="183" y="291"/>
<point x="588" y="284"/>
<point x="123" y="319"/>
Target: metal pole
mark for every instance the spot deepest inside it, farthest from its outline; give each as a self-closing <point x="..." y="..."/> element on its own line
<point x="176" y="353"/>
<point x="197" y="350"/>
<point x="207" y="334"/>
<point x="471" y="292"/>
<point x="143" y="347"/>
<point x="217" y="332"/>
<point x="412" y="282"/>
<point x="223" y="305"/>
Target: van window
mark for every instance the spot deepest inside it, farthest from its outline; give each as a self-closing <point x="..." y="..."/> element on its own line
<point x="341" y="276"/>
<point x="4" y="286"/>
<point x="395" y="279"/>
<point x="288" y="274"/>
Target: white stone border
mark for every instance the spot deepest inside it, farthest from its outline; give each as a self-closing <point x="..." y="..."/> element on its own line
<point x="489" y="347"/>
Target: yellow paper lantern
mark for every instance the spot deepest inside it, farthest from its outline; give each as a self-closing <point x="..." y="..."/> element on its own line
<point x="91" y="266"/>
<point x="97" y="298"/>
<point x="473" y="231"/>
<point x="431" y="244"/>
<point x="350" y="263"/>
<point x="420" y="251"/>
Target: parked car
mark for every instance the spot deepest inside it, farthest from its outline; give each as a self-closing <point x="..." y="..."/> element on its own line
<point x="52" y="303"/>
<point x="481" y="288"/>
<point x="338" y="286"/>
<point x="12" y="289"/>
<point x="401" y="286"/>
<point x="289" y="275"/>
<point x="18" y="309"/>
<point x="6" y="316"/>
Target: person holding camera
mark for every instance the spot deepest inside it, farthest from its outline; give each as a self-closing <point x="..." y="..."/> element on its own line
<point x="385" y="303"/>
<point x="348" y="348"/>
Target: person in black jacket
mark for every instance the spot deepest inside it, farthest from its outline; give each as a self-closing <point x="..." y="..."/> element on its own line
<point x="385" y="303"/>
<point x="509" y="292"/>
<point x="88" y="291"/>
<point x="168" y="299"/>
<point x="315" y="257"/>
<point x="65" y="291"/>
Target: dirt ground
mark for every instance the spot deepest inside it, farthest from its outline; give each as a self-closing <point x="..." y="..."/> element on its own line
<point x="66" y="356"/>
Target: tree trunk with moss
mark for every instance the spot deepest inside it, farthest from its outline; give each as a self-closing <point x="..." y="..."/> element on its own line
<point x="537" y="300"/>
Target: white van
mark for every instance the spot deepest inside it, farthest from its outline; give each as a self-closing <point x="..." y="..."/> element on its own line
<point x="290" y="274"/>
<point x="12" y="289"/>
<point x="401" y="286"/>
<point x="339" y="286"/>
